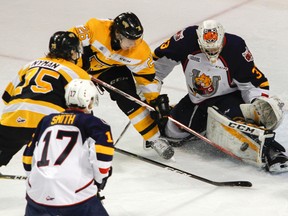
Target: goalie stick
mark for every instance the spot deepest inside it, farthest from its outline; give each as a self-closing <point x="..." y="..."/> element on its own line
<point x="172" y="119"/>
<point x="173" y="169"/>
<point x="13" y="177"/>
<point x="123" y="132"/>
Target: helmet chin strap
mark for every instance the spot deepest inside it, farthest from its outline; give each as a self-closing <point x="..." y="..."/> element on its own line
<point x="115" y="43"/>
<point x="213" y="59"/>
<point x="75" y="56"/>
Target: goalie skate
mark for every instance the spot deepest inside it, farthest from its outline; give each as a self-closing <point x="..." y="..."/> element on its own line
<point x="161" y="146"/>
<point x="276" y="162"/>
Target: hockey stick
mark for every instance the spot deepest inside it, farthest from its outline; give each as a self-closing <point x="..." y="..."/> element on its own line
<point x="173" y="169"/>
<point x="123" y="132"/>
<point x="172" y="119"/>
<point x="13" y="177"/>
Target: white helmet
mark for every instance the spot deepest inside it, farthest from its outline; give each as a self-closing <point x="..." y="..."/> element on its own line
<point x="81" y="93"/>
<point x="210" y="38"/>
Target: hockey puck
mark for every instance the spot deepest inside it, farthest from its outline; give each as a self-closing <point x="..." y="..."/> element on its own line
<point x="244" y="146"/>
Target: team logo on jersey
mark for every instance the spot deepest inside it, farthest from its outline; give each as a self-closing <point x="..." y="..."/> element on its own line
<point x="20" y="120"/>
<point x="194" y="58"/>
<point x="178" y="36"/>
<point x="203" y="84"/>
<point x="247" y="55"/>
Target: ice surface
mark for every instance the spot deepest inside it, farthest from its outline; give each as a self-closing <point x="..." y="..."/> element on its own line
<point x="138" y="188"/>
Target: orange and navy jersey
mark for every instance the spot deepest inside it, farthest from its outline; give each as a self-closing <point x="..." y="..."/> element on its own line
<point x="69" y="151"/>
<point x="38" y="90"/>
<point x="96" y="34"/>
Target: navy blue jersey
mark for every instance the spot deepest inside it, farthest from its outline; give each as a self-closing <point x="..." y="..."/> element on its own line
<point x="69" y="151"/>
<point x="234" y="69"/>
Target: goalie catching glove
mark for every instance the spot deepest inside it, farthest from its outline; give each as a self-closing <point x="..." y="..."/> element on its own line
<point x="264" y="111"/>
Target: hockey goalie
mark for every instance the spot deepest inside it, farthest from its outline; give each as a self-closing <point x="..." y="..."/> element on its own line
<point x="228" y="98"/>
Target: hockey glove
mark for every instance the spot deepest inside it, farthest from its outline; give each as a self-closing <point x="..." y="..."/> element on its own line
<point x="100" y="197"/>
<point x="264" y="111"/>
<point x="162" y="111"/>
<point x="102" y="185"/>
<point x="87" y="54"/>
<point x="161" y="106"/>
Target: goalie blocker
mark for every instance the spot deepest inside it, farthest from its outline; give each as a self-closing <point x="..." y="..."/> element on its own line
<point x="254" y="145"/>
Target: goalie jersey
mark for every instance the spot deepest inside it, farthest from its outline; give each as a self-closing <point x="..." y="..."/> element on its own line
<point x="234" y="69"/>
<point x="69" y="151"/>
<point x="37" y="91"/>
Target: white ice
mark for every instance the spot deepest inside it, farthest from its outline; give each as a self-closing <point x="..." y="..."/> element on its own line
<point x="138" y="188"/>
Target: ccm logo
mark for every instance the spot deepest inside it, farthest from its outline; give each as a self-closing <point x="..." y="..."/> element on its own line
<point x="241" y="127"/>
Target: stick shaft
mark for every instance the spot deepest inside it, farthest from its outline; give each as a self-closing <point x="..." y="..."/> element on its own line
<point x="13" y="177"/>
<point x="173" y="169"/>
<point x="172" y="119"/>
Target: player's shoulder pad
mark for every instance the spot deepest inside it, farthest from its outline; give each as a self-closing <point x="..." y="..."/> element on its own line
<point x="142" y="51"/>
<point x="234" y="40"/>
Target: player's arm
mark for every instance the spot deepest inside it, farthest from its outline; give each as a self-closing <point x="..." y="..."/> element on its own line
<point x="85" y="34"/>
<point x="104" y="150"/>
<point x="173" y="51"/>
<point x="250" y="80"/>
<point x="9" y="90"/>
<point x="29" y="150"/>
<point x="254" y="87"/>
<point x="164" y="61"/>
<point x="144" y="72"/>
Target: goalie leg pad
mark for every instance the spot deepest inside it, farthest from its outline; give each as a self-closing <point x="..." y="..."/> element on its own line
<point x="243" y="140"/>
<point x="172" y="130"/>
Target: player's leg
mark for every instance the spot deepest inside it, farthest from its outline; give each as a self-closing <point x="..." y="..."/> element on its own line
<point x="121" y="78"/>
<point x="12" y="139"/>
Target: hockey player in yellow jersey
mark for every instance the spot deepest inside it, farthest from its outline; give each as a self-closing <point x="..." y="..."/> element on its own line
<point x="37" y="91"/>
<point x="115" y="52"/>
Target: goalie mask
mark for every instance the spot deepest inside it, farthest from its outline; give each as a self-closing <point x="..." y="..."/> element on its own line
<point x="210" y="39"/>
<point x="82" y="94"/>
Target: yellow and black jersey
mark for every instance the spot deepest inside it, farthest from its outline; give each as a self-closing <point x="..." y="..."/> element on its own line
<point x="37" y="91"/>
<point x="96" y="34"/>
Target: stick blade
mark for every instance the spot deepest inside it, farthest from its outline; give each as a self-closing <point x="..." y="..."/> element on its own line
<point x="13" y="177"/>
<point x="235" y="184"/>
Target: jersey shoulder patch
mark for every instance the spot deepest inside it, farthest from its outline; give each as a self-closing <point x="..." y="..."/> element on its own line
<point x="247" y="55"/>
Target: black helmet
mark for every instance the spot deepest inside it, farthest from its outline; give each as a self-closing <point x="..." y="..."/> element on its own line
<point x="62" y="42"/>
<point x="128" y="25"/>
